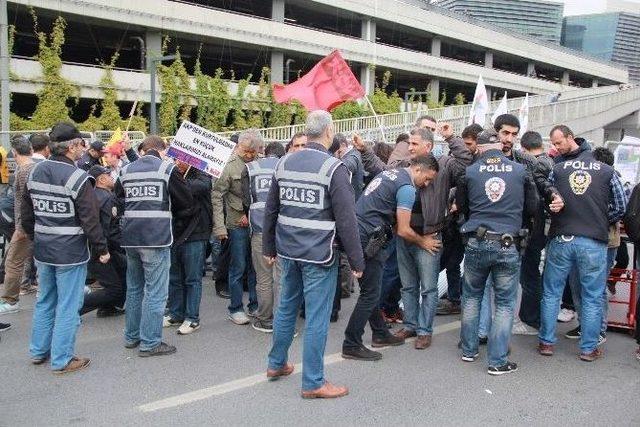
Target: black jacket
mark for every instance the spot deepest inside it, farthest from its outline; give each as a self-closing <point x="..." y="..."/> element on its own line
<point x="86" y="161"/>
<point x="198" y="226"/>
<point x="109" y="218"/>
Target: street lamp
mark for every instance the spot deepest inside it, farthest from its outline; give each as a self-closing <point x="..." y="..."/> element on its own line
<point x="153" y="119"/>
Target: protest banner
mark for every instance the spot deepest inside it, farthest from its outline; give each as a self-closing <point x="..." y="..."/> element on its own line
<point x="201" y="148"/>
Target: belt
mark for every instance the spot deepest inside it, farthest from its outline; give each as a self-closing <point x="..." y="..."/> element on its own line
<point x="506" y="239"/>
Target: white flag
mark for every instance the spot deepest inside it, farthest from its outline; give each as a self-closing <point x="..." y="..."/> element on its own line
<point x="480" y="105"/>
<point x="523" y="115"/>
<point x="502" y="108"/>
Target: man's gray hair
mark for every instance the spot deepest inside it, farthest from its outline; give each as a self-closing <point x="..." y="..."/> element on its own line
<point x="60" y="148"/>
<point x="425" y="134"/>
<point x="251" y="138"/>
<point x="317" y="123"/>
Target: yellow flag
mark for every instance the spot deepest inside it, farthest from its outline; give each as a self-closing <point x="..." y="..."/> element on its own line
<point x="116" y="137"/>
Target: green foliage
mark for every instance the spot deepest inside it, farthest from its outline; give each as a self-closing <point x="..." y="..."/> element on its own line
<point x="459" y="99"/>
<point x="176" y="93"/>
<point x="109" y="118"/>
<point x="381" y="101"/>
<point x="349" y="110"/>
<point x="239" y="120"/>
<point x="212" y="97"/>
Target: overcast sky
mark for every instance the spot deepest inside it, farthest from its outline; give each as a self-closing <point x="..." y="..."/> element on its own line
<point x="581" y="7"/>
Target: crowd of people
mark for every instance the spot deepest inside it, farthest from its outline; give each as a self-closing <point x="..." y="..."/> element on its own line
<point x="129" y="231"/>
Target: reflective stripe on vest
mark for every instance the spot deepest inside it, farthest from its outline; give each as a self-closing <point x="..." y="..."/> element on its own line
<point x="65" y="231"/>
<point x="260" y="176"/>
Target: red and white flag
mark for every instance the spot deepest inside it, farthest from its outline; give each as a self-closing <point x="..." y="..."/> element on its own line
<point x="480" y="105"/>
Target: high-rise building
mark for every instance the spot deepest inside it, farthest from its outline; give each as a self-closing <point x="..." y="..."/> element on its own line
<point x="537" y="18"/>
<point x="613" y="37"/>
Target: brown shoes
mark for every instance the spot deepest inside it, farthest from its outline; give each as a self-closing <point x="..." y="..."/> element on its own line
<point x="422" y="342"/>
<point x="405" y="333"/>
<point x="75" y="364"/>
<point x="590" y="357"/>
<point x="545" y="349"/>
<point x="274" y="374"/>
<point x="327" y="391"/>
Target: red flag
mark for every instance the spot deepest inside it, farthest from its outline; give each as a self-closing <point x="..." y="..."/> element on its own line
<point x="329" y="83"/>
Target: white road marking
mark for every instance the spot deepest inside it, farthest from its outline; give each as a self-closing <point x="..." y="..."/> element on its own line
<point x="242" y="383"/>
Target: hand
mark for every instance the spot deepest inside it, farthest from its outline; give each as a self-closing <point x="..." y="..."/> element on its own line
<point x="126" y="142"/>
<point x="357" y="274"/>
<point x="222" y="237"/>
<point x="270" y="260"/>
<point x="557" y="204"/>
<point x="243" y="221"/>
<point x="445" y="129"/>
<point x="431" y="244"/>
<point x="453" y="208"/>
<point x="105" y="258"/>
<point x="358" y="142"/>
<point x="18" y="235"/>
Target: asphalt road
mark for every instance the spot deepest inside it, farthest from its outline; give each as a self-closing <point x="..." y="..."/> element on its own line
<point x="217" y="377"/>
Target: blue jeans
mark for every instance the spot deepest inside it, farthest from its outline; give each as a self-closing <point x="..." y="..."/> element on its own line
<point x="419" y="271"/>
<point x="239" y="264"/>
<point x="315" y="284"/>
<point x="484" y="259"/>
<point x="586" y="255"/>
<point x="185" y="280"/>
<point x="56" y="315"/>
<point x="147" y="289"/>
<point x="486" y="310"/>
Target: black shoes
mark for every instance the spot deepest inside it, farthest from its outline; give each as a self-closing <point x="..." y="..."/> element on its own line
<point x="507" y="368"/>
<point x="362" y="353"/>
<point x="389" y="340"/>
<point x="163" y="349"/>
<point x="334" y="317"/>
<point x="109" y="312"/>
<point x="223" y="294"/>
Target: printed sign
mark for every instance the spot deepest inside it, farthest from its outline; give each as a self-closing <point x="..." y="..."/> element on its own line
<point x="201" y="148"/>
<point x="627" y="160"/>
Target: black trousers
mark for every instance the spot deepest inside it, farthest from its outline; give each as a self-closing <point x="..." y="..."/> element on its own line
<point x="531" y="279"/>
<point x="366" y="308"/>
<point x="452" y="255"/>
<point x="113" y="278"/>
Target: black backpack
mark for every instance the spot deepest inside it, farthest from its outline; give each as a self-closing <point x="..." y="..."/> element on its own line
<point x="632" y="216"/>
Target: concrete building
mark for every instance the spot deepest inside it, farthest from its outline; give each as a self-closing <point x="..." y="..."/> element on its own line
<point x="424" y="46"/>
<point x="537" y="18"/>
<point x="611" y="36"/>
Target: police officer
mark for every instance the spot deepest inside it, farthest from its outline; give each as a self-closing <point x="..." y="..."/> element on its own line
<point x="152" y="191"/>
<point x="387" y="200"/>
<point x="310" y="203"/>
<point x="586" y="197"/>
<point x="92" y="156"/>
<point x="494" y="196"/>
<point x="256" y="182"/>
<point x="109" y="301"/>
<point x="59" y="211"/>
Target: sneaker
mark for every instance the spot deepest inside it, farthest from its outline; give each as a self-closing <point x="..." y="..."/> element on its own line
<point x="39" y="360"/>
<point x="470" y="358"/>
<point x="262" y="326"/>
<point x="29" y="289"/>
<point x="361" y="353"/>
<point x="545" y="349"/>
<point x="168" y="322"/>
<point x="5" y="327"/>
<point x="334" y="317"/>
<point x="239" y="318"/>
<point x="483" y="340"/>
<point x="590" y="357"/>
<point x="252" y="313"/>
<point x="446" y="307"/>
<point x="6" y="308"/>
<point x="504" y="369"/>
<point x="131" y="344"/>
<point x="188" y="327"/>
<point x="75" y="364"/>
<point x="573" y="334"/>
<point x="602" y="339"/>
<point x="389" y="340"/>
<point x="521" y="328"/>
<point x="566" y="315"/>
<point x="163" y="349"/>
<point x="111" y="312"/>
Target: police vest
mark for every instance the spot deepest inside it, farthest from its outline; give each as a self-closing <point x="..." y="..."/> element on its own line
<point x="495" y="189"/>
<point x="584" y="185"/>
<point x="378" y="204"/>
<point x="357" y="176"/>
<point x="306" y="226"/>
<point x="58" y="235"/>
<point x="260" y="175"/>
<point x="147" y="207"/>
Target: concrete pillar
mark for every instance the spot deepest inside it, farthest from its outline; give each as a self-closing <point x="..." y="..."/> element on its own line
<point x="153" y="44"/>
<point x="434" y="90"/>
<point x="489" y="94"/>
<point x="367" y="78"/>
<point x="436" y="46"/>
<point x="594" y="83"/>
<point x="277" y="66"/>
<point x="368" y="30"/>
<point x="531" y="69"/>
<point x="565" y="78"/>
<point x="277" y="10"/>
<point x="488" y="59"/>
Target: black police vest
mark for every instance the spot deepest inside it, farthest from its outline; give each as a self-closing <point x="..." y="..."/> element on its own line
<point x="584" y="185"/>
<point x="58" y="235"/>
<point x="377" y="205"/>
<point x="260" y="175"/>
<point x="306" y="226"/>
<point x="495" y="189"/>
<point x="147" y="211"/>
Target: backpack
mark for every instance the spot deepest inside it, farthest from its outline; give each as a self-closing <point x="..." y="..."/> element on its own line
<point x="632" y="216"/>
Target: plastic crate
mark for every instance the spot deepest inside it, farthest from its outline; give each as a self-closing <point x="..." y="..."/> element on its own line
<point x="622" y="304"/>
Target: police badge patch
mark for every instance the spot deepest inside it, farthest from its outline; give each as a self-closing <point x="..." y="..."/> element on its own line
<point x="494" y="188"/>
<point x="372" y="186"/>
<point x="579" y="181"/>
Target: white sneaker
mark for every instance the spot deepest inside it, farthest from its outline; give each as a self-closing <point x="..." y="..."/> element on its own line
<point x="168" y="322"/>
<point x="252" y="313"/>
<point x="188" y="327"/>
<point x="521" y="328"/>
<point x="239" y="318"/>
<point x="566" y="315"/>
<point x="6" y="308"/>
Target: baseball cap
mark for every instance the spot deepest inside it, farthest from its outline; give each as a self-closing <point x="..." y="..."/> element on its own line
<point x="487" y="137"/>
<point x="97" y="145"/>
<point x="96" y="170"/>
<point x="64" y="131"/>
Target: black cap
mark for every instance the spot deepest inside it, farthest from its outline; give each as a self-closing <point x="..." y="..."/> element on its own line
<point x="64" y="131"/>
<point x="96" y="170"/>
<point x="487" y="137"/>
<point x="97" y="145"/>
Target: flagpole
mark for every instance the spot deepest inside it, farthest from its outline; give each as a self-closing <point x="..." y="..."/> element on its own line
<point x="384" y="138"/>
